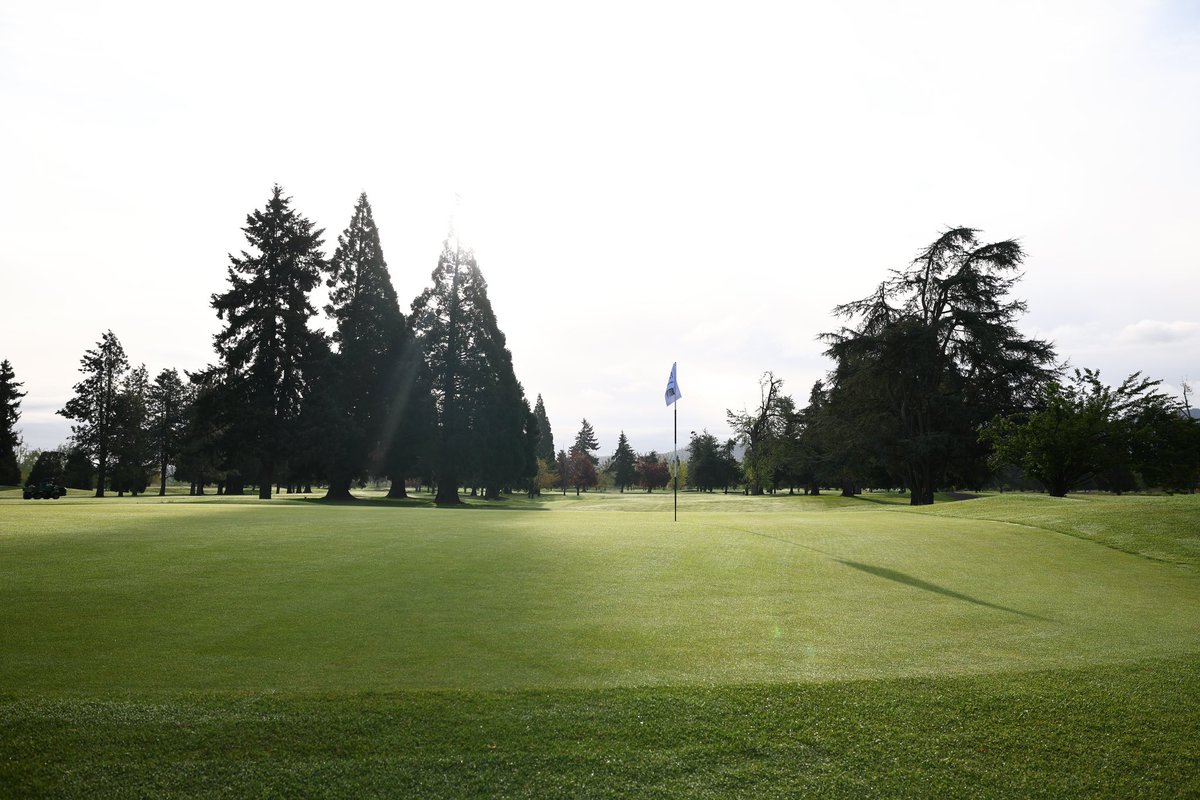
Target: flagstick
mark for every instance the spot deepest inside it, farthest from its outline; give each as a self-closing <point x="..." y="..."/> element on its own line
<point x="676" y="406"/>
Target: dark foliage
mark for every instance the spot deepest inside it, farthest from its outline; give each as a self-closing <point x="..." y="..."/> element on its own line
<point x="10" y="414"/>
<point x="95" y="404"/>
<point x="933" y="354"/>
<point x="266" y="349"/>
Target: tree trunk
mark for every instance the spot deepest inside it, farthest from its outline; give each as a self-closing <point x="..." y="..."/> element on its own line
<point x="101" y="472"/>
<point x="162" y="476"/>
<point x="339" y="489"/>
<point x="397" y="490"/>
<point x="447" y="491"/>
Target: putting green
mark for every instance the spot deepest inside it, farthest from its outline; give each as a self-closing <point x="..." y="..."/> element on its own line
<point x="116" y="596"/>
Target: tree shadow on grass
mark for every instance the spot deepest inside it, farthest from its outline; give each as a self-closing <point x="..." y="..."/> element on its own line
<point x="917" y="583"/>
<point x="477" y="503"/>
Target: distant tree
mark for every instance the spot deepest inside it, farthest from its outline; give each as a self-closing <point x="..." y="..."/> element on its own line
<point x="266" y="348"/>
<point x="29" y="457"/>
<point x="583" y="470"/>
<point x="1165" y="445"/>
<point x="730" y="468"/>
<point x="547" y="477"/>
<point x="10" y="414"/>
<point x="48" y="468"/>
<point x="201" y="437"/>
<point x="545" y="449"/>
<point x="933" y="353"/>
<point x="762" y="432"/>
<point x="623" y="466"/>
<point x="704" y="462"/>
<point x="78" y="472"/>
<point x="563" y="468"/>
<point x="1081" y="429"/>
<point x="482" y="417"/>
<point x="653" y="473"/>
<point x="166" y="401"/>
<point x="132" y="448"/>
<point x="94" y="406"/>
<point x="586" y="442"/>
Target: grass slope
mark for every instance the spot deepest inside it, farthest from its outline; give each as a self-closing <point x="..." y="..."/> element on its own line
<point x="197" y="646"/>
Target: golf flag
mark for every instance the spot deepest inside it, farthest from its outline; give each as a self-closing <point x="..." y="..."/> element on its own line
<point x="673" y="392"/>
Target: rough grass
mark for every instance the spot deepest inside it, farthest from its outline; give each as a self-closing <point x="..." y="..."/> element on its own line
<point x="760" y="647"/>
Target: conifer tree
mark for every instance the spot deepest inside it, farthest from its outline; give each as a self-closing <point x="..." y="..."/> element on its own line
<point x="132" y="452"/>
<point x="370" y="336"/>
<point x="94" y="406"/>
<point x="931" y="355"/>
<point x="10" y="404"/>
<point x="480" y="405"/>
<point x="545" y="447"/>
<point x="78" y="473"/>
<point x="266" y="348"/>
<point x="585" y="441"/>
<point x="167" y="409"/>
<point x="623" y="466"/>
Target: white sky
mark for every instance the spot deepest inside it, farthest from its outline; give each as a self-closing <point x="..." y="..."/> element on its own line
<point x="644" y="182"/>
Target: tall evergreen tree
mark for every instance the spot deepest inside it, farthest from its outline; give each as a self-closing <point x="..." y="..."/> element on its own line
<point x="370" y="335"/>
<point x="545" y="447"/>
<point x="623" y="466"/>
<point x="480" y="405"/>
<point x="167" y="409"/>
<point x="266" y="348"/>
<point x="585" y="441"/>
<point x="94" y="406"/>
<point x="132" y="449"/>
<point x="10" y="440"/>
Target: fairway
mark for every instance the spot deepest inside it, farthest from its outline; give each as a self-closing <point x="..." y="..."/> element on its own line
<point x="224" y="599"/>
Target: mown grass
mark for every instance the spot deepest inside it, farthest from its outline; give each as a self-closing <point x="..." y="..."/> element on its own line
<point x="1165" y="528"/>
<point x="1116" y="731"/>
<point x="229" y="646"/>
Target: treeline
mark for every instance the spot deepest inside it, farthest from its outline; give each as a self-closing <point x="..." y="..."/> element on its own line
<point x="430" y="396"/>
<point x="933" y="387"/>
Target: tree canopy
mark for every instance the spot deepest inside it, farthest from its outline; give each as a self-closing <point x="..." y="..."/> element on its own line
<point x="267" y="351"/>
<point x="932" y="354"/>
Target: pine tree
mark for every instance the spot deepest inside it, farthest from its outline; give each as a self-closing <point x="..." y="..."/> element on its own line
<point x="94" y="406"/>
<point x="623" y="466"/>
<point x="266" y="348"/>
<point x="480" y="405"/>
<point x="167" y="409"/>
<point x="545" y="448"/>
<point x="585" y="441"/>
<point x="10" y="440"/>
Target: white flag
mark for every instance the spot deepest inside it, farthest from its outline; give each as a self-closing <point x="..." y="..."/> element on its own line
<point x="673" y="392"/>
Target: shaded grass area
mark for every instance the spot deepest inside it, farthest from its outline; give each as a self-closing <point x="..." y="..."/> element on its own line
<point x="1116" y="731"/>
<point x="1164" y="528"/>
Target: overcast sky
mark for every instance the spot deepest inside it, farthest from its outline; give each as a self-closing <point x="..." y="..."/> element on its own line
<point x="644" y="182"/>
